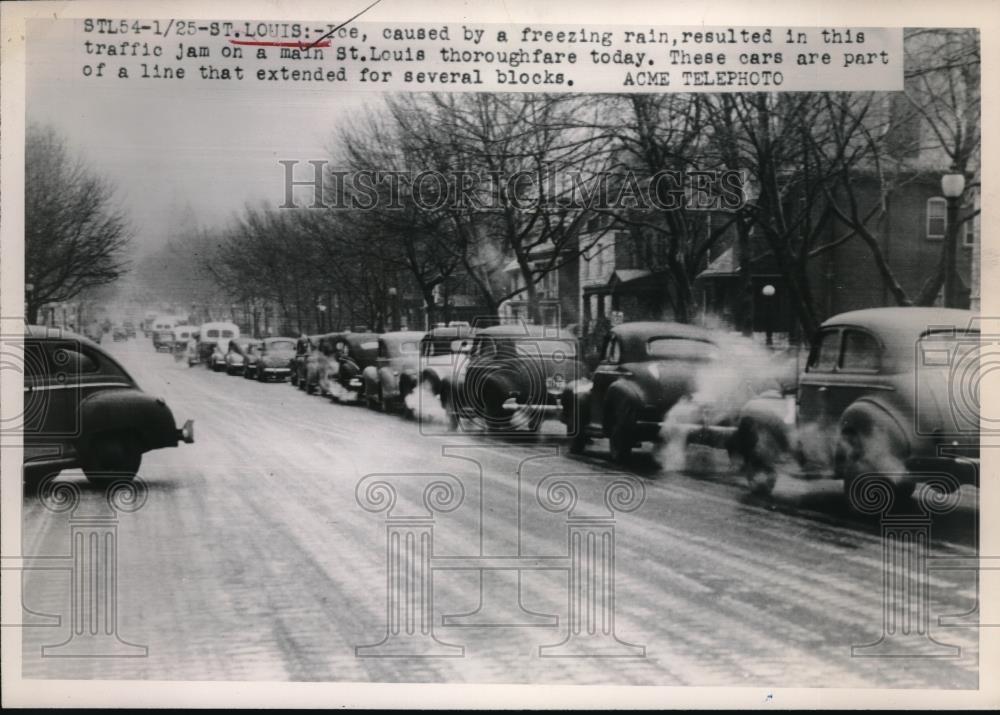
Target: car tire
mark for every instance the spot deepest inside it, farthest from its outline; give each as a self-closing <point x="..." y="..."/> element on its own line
<point x="851" y="458"/>
<point x="621" y="437"/>
<point x="110" y="458"/>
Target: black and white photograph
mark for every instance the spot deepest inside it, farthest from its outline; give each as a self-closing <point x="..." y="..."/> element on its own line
<point x="362" y="345"/>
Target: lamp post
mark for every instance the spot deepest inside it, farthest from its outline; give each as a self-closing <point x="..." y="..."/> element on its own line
<point x="952" y="186"/>
<point x="322" y="316"/>
<point x="394" y="304"/>
<point x="768" y="292"/>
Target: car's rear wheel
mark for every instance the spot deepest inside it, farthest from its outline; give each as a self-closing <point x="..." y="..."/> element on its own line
<point x="621" y="432"/>
<point x="869" y="448"/>
<point x="112" y="457"/>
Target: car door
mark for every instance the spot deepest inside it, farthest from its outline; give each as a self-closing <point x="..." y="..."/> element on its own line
<point x="843" y="366"/>
<point x="608" y="370"/>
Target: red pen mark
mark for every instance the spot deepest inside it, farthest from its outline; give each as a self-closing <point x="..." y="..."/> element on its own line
<point x="297" y="45"/>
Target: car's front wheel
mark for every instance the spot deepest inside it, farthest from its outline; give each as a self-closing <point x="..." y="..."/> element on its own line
<point x="621" y="432"/>
<point x="112" y="457"/>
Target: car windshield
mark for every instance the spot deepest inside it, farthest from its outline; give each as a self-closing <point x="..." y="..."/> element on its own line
<point x="681" y="349"/>
<point x="212" y="333"/>
<point x="280" y="346"/>
<point x="227" y="333"/>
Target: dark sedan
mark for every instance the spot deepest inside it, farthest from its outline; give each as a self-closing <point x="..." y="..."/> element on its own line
<point x="270" y="359"/>
<point x="82" y="409"/>
<point x="394" y="374"/>
<point x="886" y="392"/>
<point x="645" y="368"/>
<point x="514" y="377"/>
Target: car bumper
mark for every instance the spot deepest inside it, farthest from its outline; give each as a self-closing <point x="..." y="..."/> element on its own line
<point x="964" y="469"/>
<point x="273" y="371"/>
<point x="185" y="433"/>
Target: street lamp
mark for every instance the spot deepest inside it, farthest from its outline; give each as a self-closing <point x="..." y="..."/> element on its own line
<point x="394" y="304"/>
<point x="952" y="186"/>
<point x="768" y="292"/>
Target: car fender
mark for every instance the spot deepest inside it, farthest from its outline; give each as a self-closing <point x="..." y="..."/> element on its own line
<point x="128" y="410"/>
<point x="769" y="411"/>
<point x="432" y="377"/>
<point x="867" y="413"/>
<point x="371" y="377"/>
<point x="575" y="404"/>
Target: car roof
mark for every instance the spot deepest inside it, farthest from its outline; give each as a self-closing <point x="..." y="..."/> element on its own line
<point x="47" y="332"/>
<point x="449" y="331"/>
<point x="358" y="338"/>
<point x="402" y="336"/>
<point x="277" y="338"/>
<point x="912" y="320"/>
<point x="661" y="329"/>
<point x="524" y="330"/>
<point x="40" y="332"/>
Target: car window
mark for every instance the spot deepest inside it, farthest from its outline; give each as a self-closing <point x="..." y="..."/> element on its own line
<point x="212" y="333"/>
<point x="227" y="333"/>
<point x="825" y="353"/>
<point x="383" y="349"/>
<point x="680" y="349"/>
<point x="613" y="353"/>
<point x="69" y="359"/>
<point x="862" y="352"/>
<point x="281" y="345"/>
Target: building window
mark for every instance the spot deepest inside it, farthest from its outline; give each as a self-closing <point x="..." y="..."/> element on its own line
<point x="969" y="235"/>
<point x="969" y="228"/>
<point x="937" y="217"/>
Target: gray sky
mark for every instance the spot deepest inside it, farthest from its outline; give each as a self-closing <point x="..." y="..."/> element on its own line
<point x="179" y="151"/>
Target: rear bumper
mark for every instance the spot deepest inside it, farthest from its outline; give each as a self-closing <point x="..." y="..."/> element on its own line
<point x="185" y="433"/>
<point x="964" y="469"/>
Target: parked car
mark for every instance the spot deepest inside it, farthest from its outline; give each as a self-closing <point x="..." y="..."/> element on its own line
<point x="514" y="369"/>
<point x="236" y="353"/>
<point x="320" y="364"/>
<point x="303" y="346"/>
<point x="270" y="359"/>
<point x="354" y="353"/>
<point x="216" y="360"/>
<point x="214" y="337"/>
<point x="82" y="409"/>
<point x="885" y="391"/>
<point x="186" y="343"/>
<point x="644" y="369"/>
<point x="444" y="351"/>
<point x="394" y="374"/>
<point x="163" y="340"/>
<point x="249" y="371"/>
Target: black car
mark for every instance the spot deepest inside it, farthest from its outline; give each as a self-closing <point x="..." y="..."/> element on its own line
<point x="645" y="368"/>
<point x="354" y="353"/>
<point x="269" y="359"/>
<point x="82" y="409"/>
<point x="515" y="376"/>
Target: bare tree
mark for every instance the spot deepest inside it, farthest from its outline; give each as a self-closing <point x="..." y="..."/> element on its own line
<point x="75" y="236"/>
